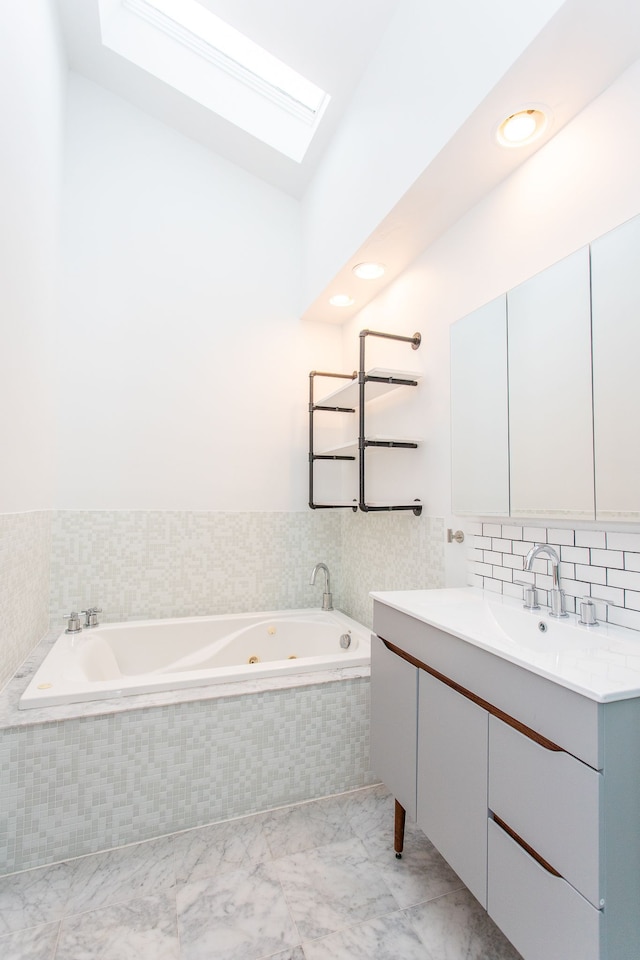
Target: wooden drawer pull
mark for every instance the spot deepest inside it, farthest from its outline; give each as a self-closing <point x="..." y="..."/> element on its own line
<point x="525" y="846"/>
<point x="489" y="707"/>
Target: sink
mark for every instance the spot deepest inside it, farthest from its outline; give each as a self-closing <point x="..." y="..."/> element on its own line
<point x="539" y="631"/>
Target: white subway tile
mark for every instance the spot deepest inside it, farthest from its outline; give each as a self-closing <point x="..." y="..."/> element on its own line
<point x="483" y="569"/>
<point x="611" y="594"/>
<point x="632" y="600"/>
<point x="568" y="570"/>
<point x="570" y="604"/>
<point x="473" y="580"/>
<point x="503" y="546"/>
<point x="512" y="590"/>
<point x="512" y="532"/>
<point x="540" y="565"/>
<point x="575" y="554"/>
<point x="564" y="537"/>
<point x="495" y="586"/>
<point x="607" y="558"/>
<point x="492" y="529"/>
<point x="576" y="588"/>
<point x="472" y="527"/>
<point x="522" y="547"/>
<point x="624" y="618"/>
<point x="536" y="534"/>
<point x="632" y="561"/>
<point x="628" y="580"/>
<point x="515" y="562"/>
<point x="543" y="581"/>
<point x="592" y="574"/>
<point x="473" y="554"/>
<point x="591" y="538"/>
<point x="503" y="573"/>
<point x="482" y="543"/>
<point x="491" y="557"/>
<point x="624" y="541"/>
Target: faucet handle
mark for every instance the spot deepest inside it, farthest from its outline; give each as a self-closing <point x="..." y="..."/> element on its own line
<point x="588" y="612"/>
<point x="91" y="616"/>
<point x="529" y="595"/>
<point x="73" y="622"/>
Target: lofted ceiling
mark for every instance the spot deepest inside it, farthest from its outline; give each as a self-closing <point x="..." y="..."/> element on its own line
<point x="330" y="43"/>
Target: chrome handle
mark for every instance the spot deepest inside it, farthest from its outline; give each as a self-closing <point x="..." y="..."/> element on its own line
<point x="529" y="595"/>
<point x="73" y="622"/>
<point x="587" y="612"/>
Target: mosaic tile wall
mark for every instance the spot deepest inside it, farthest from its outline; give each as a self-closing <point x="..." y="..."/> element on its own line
<point x="604" y="565"/>
<point x="78" y="786"/>
<point x="388" y="551"/>
<point x="25" y="546"/>
<point x="147" y="564"/>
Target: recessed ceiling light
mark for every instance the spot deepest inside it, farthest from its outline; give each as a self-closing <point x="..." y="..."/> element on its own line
<point x="369" y="270"/>
<point x="522" y="127"/>
<point x="341" y="300"/>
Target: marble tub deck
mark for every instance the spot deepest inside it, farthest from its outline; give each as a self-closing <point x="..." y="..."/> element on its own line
<point x="313" y="881"/>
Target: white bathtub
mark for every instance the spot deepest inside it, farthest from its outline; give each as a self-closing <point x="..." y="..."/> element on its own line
<point x="122" y="659"/>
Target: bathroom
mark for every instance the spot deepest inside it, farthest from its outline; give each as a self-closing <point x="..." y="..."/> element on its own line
<point x="162" y="306"/>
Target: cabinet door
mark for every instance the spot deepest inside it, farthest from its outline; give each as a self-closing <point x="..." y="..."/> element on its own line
<point x="394" y="723"/>
<point x="479" y="412"/>
<point x="550" y="402"/>
<point x="616" y="386"/>
<point x="452" y="780"/>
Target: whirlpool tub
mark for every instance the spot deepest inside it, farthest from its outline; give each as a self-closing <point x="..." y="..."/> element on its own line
<point x="122" y="659"/>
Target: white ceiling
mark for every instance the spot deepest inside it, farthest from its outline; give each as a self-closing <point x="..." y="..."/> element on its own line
<point x="329" y="42"/>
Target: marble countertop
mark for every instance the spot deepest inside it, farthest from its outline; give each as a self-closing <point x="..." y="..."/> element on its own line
<point x="12" y="716"/>
<point x="600" y="662"/>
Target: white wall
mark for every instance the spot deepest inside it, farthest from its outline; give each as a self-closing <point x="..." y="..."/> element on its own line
<point x="32" y="80"/>
<point x="436" y="63"/>
<point x="581" y="184"/>
<point x="183" y="366"/>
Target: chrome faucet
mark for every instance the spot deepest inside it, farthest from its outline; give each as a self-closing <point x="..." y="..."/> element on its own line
<point x="556" y="595"/>
<point x="327" y="603"/>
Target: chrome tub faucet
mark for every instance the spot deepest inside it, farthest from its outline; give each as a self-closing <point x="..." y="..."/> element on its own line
<point x="327" y="601"/>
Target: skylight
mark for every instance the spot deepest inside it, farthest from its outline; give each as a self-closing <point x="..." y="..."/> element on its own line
<point x="184" y="44"/>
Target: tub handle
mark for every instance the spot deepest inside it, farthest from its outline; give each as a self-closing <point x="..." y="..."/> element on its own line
<point x="91" y="616"/>
<point x="73" y="622"/>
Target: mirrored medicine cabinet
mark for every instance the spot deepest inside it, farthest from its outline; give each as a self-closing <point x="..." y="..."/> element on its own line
<point x="545" y="391"/>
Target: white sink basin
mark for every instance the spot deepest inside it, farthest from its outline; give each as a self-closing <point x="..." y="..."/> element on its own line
<point x="601" y="662"/>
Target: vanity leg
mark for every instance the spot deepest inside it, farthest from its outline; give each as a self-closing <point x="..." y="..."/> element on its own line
<point x="398" y="835"/>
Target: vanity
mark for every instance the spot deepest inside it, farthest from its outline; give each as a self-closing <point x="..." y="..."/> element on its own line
<point x="513" y="740"/>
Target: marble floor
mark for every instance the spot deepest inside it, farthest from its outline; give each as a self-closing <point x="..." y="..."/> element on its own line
<point x="314" y="881"/>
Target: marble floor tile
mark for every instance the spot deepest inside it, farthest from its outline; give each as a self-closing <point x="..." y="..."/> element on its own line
<point x="306" y="825"/>
<point x="35" y="896"/>
<point x="141" y="870"/>
<point x="332" y="886"/>
<point x="455" y="927"/>
<point x="421" y="874"/>
<point x="35" y="943"/>
<point x="385" y="938"/>
<point x="238" y="915"/>
<point x="370" y="811"/>
<point x="208" y="851"/>
<point x="143" y="929"/>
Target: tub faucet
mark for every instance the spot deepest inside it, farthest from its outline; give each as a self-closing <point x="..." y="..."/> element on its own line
<point x="556" y="595"/>
<point x="327" y="602"/>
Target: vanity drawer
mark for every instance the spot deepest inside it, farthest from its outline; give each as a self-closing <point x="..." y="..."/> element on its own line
<point x="541" y="914"/>
<point x="552" y="801"/>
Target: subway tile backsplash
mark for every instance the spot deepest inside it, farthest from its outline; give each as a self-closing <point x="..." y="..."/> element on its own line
<point x="593" y="563"/>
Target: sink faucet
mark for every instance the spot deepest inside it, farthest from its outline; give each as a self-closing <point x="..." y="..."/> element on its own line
<point x="556" y="595"/>
<point x="327" y="603"/>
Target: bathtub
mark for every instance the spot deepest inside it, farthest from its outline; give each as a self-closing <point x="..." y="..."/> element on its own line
<point x="148" y="656"/>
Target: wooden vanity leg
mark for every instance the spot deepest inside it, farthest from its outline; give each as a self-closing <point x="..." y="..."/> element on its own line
<point x="398" y="834"/>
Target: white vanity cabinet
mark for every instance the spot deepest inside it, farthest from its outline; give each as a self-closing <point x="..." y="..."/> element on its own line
<point x="452" y="780"/>
<point x="529" y="789"/>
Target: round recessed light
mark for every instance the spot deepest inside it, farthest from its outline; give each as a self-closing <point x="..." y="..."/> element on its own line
<point x="341" y="300"/>
<point x="369" y="270"/>
<point x="522" y="127"/>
